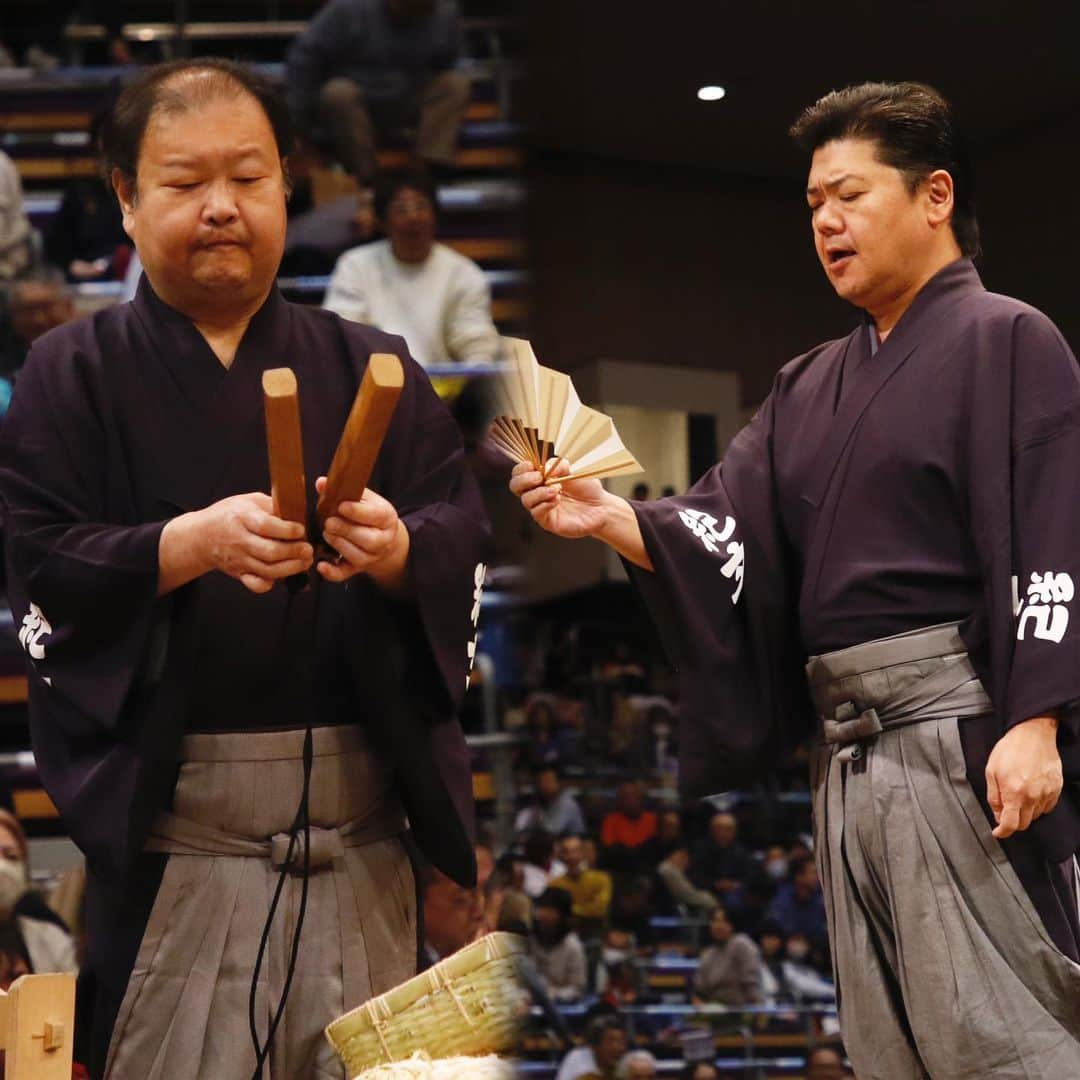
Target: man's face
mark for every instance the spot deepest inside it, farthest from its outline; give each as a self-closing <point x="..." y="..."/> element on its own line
<point x="410" y="224"/>
<point x="806" y="881"/>
<point x="208" y="211"/>
<point x="629" y="799"/>
<point x="611" y="1047"/>
<point x="573" y="854"/>
<point x="723" y="830"/>
<point x="825" y="1064"/>
<point x="720" y="930"/>
<point x="36" y="307"/>
<point x="870" y="231"/>
<point x="547" y="785"/>
<point x="670" y="826"/>
<point x="452" y="914"/>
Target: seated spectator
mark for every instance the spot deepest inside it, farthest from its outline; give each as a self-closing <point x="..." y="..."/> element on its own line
<point x="540" y="864"/>
<point x="15" y="250"/>
<point x="626" y="831"/>
<point x="364" y="66"/>
<point x="407" y="284"/>
<point x="721" y="863"/>
<point x="556" y="950"/>
<point x="453" y="915"/>
<point x="679" y="890"/>
<point x="700" y="1070"/>
<point x="619" y="979"/>
<point x="34" y="305"/>
<point x="787" y="973"/>
<point x="554" y="808"/>
<point x="637" y="1065"/>
<point x="86" y="237"/>
<point x="605" y="1045"/>
<point x="799" y="907"/>
<point x="28" y="928"/>
<point x="631" y="907"/>
<point x="730" y="969"/>
<point x="590" y="889"/>
<point x="825" y="1063"/>
<point x="547" y="743"/>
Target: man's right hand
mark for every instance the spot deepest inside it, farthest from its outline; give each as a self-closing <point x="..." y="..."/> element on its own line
<point x="573" y="509"/>
<point x="241" y="537"/>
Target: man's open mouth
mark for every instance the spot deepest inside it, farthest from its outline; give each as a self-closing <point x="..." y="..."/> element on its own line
<point x="838" y="254"/>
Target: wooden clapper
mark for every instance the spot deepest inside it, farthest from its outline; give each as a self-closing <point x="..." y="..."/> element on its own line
<point x="357" y="450"/>
<point x="37" y="1017"/>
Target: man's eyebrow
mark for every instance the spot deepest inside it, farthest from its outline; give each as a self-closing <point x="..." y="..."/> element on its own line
<point x="180" y="161"/>
<point x="813" y="189"/>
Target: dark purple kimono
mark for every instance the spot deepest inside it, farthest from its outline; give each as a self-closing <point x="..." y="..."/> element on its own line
<point x="875" y="492"/>
<point x="124" y="420"/>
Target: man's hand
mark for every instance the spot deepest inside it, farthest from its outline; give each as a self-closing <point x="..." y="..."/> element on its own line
<point x="241" y="537"/>
<point x="1023" y="775"/>
<point x="574" y="509"/>
<point x="370" y="538"/>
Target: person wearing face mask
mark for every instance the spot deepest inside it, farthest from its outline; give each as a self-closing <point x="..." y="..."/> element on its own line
<point x="26" y="924"/>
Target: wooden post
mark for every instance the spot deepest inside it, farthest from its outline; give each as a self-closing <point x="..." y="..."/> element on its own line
<point x="363" y="436"/>
<point x="284" y="444"/>
<point x="37" y="1018"/>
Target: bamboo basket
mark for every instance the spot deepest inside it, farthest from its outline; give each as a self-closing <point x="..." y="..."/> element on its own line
<point x="469" y="1004"/>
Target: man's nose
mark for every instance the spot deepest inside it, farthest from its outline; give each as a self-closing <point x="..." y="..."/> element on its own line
<point x="827" y="219"/>
<point x="220" y="205"/>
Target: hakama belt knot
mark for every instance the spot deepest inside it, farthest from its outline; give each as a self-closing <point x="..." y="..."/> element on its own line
<point x="326" y="846"/>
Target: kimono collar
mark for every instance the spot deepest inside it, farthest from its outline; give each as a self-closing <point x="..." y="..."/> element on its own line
<point x="187" y="354"/>
<point x="946" y="286"/>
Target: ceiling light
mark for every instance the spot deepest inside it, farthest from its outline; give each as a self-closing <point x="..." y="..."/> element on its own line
<point x="711" y="93"/>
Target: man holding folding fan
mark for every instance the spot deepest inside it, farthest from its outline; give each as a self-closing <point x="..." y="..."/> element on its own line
<point x="888" y="553"/>
<point x="231" y="724"/>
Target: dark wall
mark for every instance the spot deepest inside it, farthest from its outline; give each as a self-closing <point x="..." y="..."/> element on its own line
<point x="644" y="263"/>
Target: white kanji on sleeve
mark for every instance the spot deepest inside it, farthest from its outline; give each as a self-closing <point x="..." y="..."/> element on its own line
<point x="34" y="627"/>
<point x="478" y="592"/>
<point x="1046" y="606"/>
<point x="703" y="526"/>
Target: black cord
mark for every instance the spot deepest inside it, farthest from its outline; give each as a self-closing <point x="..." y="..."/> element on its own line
<point x="302" y="821"/>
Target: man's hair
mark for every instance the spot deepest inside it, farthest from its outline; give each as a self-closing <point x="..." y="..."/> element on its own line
<point x="634" y="1057"/>
<point x="175" y="86"/>
<point x="913" y="128"/>
<point x="797" y="865"/>
<point x="598" y="1027"/>
<point x="386" y="189"/>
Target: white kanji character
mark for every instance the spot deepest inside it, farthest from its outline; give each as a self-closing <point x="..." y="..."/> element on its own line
<point x="734" y="567"/>
<point x="34" y="627"/>
<point x="1047" y="597"/>
<point x="478" y="592"/>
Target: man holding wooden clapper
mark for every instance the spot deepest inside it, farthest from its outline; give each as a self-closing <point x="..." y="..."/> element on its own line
<point x="209" y="734"/>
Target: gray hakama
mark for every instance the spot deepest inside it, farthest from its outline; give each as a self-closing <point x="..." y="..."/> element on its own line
<point x="185" y="1013"/>
<point x="945" y="967"/>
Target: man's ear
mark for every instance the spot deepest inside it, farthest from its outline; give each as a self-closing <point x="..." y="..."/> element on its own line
<point x="124" y="187"/>
<point x="939" y="198"/>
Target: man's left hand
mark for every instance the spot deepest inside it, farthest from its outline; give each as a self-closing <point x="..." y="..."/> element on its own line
<point x="370" y="538"/>
<point x="1023" y="775"/>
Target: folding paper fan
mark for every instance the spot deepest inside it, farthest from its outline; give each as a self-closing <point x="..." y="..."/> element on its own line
<point x="541" y="418"/>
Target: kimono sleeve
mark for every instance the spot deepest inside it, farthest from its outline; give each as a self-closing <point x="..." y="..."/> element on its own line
<point x="1045" y="671"/>
<point x="82" y="588"/>
<point x="437" y="498"/>
<point x="719" y="599"/>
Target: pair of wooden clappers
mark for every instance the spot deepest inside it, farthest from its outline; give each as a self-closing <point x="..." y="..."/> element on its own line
<point x="357" y="450"/>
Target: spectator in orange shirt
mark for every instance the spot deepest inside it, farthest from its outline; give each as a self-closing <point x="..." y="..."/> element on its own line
<point x="626" y="831"/>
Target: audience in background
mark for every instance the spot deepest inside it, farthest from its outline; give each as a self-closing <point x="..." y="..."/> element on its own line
<point x="589" y="889"/>
<point x="539" y="864"/>
<point x="730" y="969"/>
<point x="362" y="67"/>
<point x="605" y="1045"/>
<point x="636" y="1065"/>
<point x="28" y="928"/>
<point x="16" y="253"/>
<point x="721" y="863"/>
<point x="799" y="906"/>
<point x="626" y="831"/>
<point x="557" y="951"/>
<point x="408" y="284"/>
<point x="554" y="809"/>
<point x="680" y="892"/>
<point x="453" y="915"/>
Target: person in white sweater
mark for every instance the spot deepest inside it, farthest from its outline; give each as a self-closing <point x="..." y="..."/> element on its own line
<point x="408" y="284"/>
